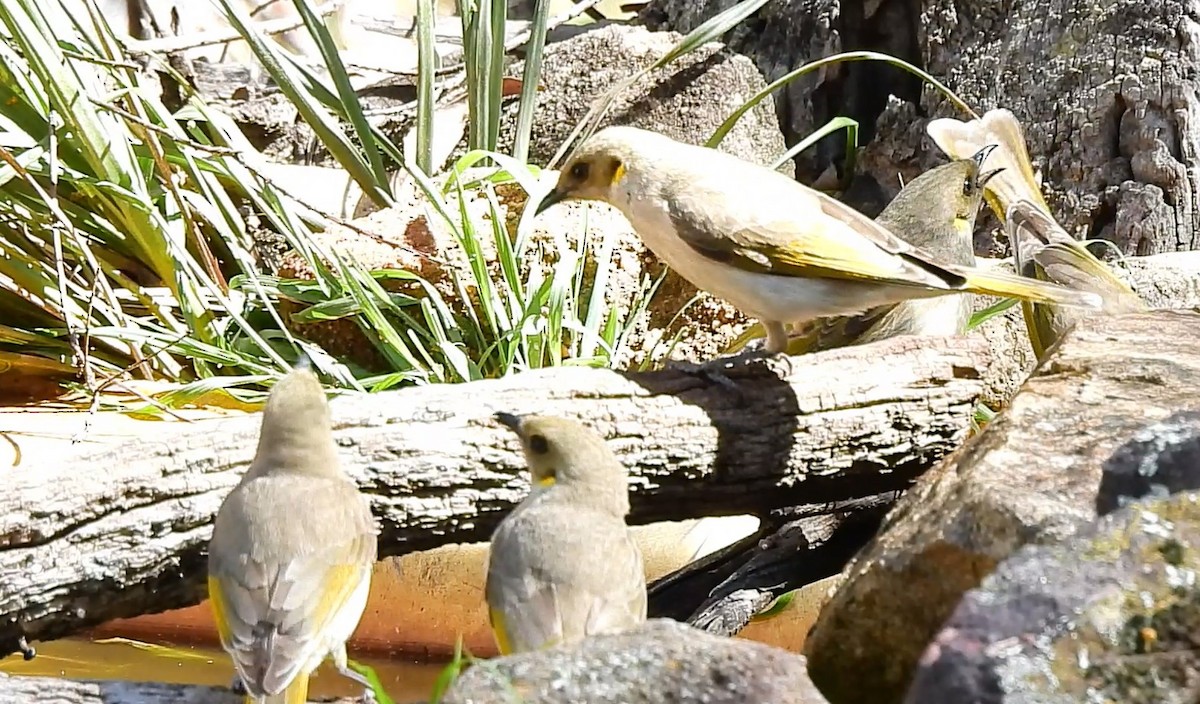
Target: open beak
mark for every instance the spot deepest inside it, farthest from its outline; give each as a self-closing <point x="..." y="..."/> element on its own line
<point x="988" y="176"/>
<point x="552" y="198"/>
<point x="509" y="419"/>
<point x="982" y="155"/>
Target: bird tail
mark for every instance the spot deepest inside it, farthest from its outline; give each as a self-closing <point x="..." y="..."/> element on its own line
<point x="998" y="283"/>
<point x="296" y="693"/>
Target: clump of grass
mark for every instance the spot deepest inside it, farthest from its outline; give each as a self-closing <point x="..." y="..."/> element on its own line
<point x="128" y="244"/>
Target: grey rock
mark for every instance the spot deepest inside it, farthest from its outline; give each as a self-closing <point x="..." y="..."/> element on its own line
<point x="687" y="100"/>
<point x="664" y="662"/>
<point x="1161" y="459"/>
<point x="1165" y="281"/>
<point x="1031" y="476"/>
<point x="1108" y="616"/>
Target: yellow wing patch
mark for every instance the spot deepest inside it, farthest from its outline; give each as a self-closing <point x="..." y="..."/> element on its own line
<point x="217" y="601"/>
<point x="500" y="631"/>
<point x="817" y="254"/>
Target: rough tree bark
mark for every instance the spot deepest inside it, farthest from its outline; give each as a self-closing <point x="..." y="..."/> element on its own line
<point x="122" y="531"/>
<point x="1105" y="88"/>
<point x="795" y="546"/>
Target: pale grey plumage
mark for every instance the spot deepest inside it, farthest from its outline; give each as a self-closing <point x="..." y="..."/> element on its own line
<point x="292" y="549"/>
<point x="563" y="566"/>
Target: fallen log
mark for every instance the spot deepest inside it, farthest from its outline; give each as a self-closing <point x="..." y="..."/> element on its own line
<point x="122" y="531"/>
<point x="23" y="690"/>
<point x="723" y="591"/>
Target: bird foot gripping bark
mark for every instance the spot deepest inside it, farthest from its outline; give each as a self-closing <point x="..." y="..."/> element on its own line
<point x="356" y="672"/>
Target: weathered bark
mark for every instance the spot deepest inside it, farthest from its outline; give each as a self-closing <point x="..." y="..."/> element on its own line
<point x="721" y="592"/>
<point x="23" y="690"/>
<point x="121" y="531"/>
<point x="1106" y="90"/>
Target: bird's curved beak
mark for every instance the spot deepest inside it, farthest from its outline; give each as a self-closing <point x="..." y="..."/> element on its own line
<point x="511" y="420"/>
<point x="982" y="155"/>
<point x="552" y="198"/>
<point x="988" y="176"/>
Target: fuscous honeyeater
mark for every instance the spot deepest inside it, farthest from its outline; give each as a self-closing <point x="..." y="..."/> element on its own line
<point x="1041" y="247"/>
<point x="562" y="565"/>
<point x="289" y="564"/>
<point x="777" y="250"/>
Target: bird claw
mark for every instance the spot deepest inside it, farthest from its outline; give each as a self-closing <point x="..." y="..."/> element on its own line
<point x="344" y="669"/>
<point x="237" y="686"/>
<point x="28" y="652"/>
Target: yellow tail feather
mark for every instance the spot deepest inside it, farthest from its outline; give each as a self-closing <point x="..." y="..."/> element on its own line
<point x="500" y="631"/>
<point x="996" y="283"/>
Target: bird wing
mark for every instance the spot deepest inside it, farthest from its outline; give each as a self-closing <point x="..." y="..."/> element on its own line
<point x="841" y="330"/>
<point x="557" y="574"/>
<point x="1037" y="238"/>
<point x="277" y="595"/>
<point x="274" y="617"/>
<point x="814" y="236"/>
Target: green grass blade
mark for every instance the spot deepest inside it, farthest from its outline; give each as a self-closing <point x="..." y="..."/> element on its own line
<point x="314" y="113"/>
<point x="828" y="128"/>
<point x="709" y="30"/>
<point x="495" y="68"/>
<point x="530" y="78"/>
<point x="347" y="96"/>
<point x="426" y="70"/>
<point x="787" y="78"/>
<point x="982" y="316"/>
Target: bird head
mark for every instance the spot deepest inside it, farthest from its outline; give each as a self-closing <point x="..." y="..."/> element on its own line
<point x="563" y="452"/>
<point x="949" y="194"/>
<point x="595" y="170"/>
<point x="296" y="434"/>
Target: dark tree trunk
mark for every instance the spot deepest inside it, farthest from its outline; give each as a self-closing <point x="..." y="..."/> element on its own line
<point x="1106" y="90"/>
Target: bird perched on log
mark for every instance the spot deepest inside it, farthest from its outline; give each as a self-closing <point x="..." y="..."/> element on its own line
<point x="289" y="564"/>
<point x="934" y="212"/>
<point x="563" y="566"/>
<point x="777" y="250"/>
<point x="1041" y="247"/>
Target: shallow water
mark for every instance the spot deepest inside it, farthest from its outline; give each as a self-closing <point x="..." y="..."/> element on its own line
<point x="120" y="659"/>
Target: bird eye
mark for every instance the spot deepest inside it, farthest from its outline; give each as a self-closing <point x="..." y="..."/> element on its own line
<point x="539" y="445"/>
<point x="579" y="171"/>
<point x="968" y="186"/>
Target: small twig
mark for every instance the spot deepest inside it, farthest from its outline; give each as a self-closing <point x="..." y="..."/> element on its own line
<point x="572" y="12"/>
<point x="170" y="45"/>
<point x="91" y="59"/>
<point x="15" y="446"/>
<point x="94" y="406"/>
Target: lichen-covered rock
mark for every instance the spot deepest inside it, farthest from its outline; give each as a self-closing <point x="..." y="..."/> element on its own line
<point x="664" y="662"/>
<point x="1112" y="615"/>
<point x="1031" y="476"/>
<point x="1161" y="459"/>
